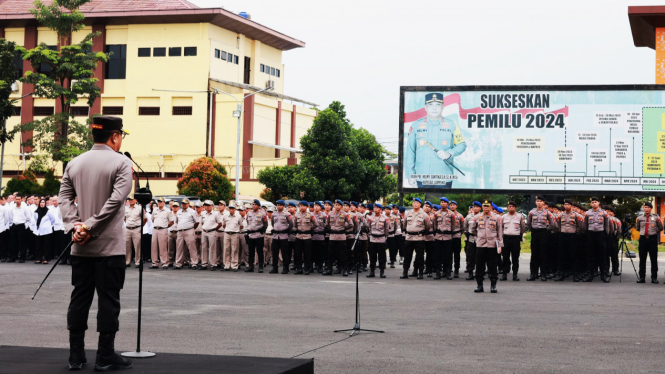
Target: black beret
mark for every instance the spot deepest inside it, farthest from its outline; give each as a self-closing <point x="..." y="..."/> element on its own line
<point x="593" y="198"/>
<point x="568" y="201"/>
<point x="107" y="123"/>
<point x="648" y="204"/>
<point x="541" y="197"/>
<point x="512" y="203"/>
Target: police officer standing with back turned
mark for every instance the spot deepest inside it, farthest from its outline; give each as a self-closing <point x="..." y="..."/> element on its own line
<point x="101" y="179"/>
<point x="649" y="225"/>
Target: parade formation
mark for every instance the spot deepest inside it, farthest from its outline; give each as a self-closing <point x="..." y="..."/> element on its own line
<point x="567" y="241"/>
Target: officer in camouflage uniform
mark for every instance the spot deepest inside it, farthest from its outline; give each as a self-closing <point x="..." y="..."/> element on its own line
<point x="441" y="133"/>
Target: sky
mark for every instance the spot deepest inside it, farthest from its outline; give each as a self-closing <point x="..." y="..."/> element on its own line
<point x="360" y="52"/>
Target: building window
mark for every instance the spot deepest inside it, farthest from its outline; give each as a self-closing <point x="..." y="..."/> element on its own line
<point x="248" y="70"/>
<point x="218" y="53"/>
<point x="42" y="111"/>
<point x="175" y="51"/>
<point x="230" y="58"/>
<point x="78" y="111"/>
<point x="149" y="111"/>
<point x="223" y="55"/>
<point x="159" y="52"/>
<point x="116" y="68"/>
<point x="272" y="71"/>
<point x="277" y="71"/>
<point x="190" y="51"/>
<point x="17" y="111"/>
<point x="144" y="52"/>
<point x="112" y="110"/>
<point x="18" y="62"/>
<point x="235" y="60"/>
<point x="263" y="68"/>
<point x="268" y="70"/>
<point x="182" y="110"/>
<point x="46" y="68"/>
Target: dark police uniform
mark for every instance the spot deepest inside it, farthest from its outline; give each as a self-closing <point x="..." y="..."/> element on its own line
<point x="538" y="222"/>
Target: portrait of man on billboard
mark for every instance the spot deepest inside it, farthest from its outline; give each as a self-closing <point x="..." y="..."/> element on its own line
<point x="433" y="143"/>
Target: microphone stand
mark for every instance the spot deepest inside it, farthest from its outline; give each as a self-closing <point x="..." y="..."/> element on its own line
<point x="356" y="327"/>
<point x="143" y="197"/>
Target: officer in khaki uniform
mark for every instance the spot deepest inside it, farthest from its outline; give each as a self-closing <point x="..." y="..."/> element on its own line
<point x="596" y="222"/>
<point x="281" y="226"/>
<point x="488" y="229"/>
<point x="186" y="221"/>
<point x="267" y="239"/>
<point x="379" y="229"/>
<point x="161" y="218"/>
<point x="133" y="231"/>
<point x="198" y="208"/>
<point x="569" y="223"/>
<point x="337" y="222"/>
<point x="257" y="223"/>
<point x="417" y="224"/>
<point x="513" y="229"/>
<point x="210" y="221"/>
<point x="649" y="225"/>
<point x="305" y="222"/>
<point x="232" y="225"/>
<point x="458" y="225"/>
<point x="173" y="233"/>
<point x="223" y="212"/>
<point x="443" y="252"/>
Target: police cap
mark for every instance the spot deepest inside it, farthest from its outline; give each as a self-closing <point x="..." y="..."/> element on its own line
<point x="257" y="202"/>
<point x="303" y="202"/>
<point x="487" y="203"/>
<point x="648" y="204"/>
<point x="433" y="98"/>
<point x="568" y="201"/>
<point x="279" y="202"/>
<point x="370" y="206"/>
<point x="377" y="205"/>
<point x="593" y="198"/>
<point x="319" y="204"/>
<point x="108" y="123"/>
<point x="541" y="198"/>
<point x="291" y="203"/>
<point x="512" y="203"/>
<point x="160" y="199"/>
<point x="477" y="203"/>
<point x="444" y="199"/>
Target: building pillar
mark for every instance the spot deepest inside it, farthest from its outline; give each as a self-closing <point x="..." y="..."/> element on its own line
<point x="247" y="131"/>
<point x="278" y="127"/>
<point x="292" y="156"/>
<point x="27" y="103"/>
<point x="214" y="124"/>
<point x="99" y="45"/>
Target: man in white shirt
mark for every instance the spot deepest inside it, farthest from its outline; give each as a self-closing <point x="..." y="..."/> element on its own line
<point x="21" y="220"/>
<point x="58" y="228"/>
<point x="4" y="229"/>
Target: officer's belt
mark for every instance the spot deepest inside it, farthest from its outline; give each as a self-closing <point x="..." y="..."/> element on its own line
<point x="650" y="236"/>
<point x="538" y="230"/>
<point x="377" y="236"/>
<point x="159" y="228"/>
<point x="444" y="232"/>
<point x="337" y="231"/>
<point x="280" y="232"/>
<point x="415" y="232"/>
<point x="184" y="229"/>
<point x="132" y="228"/>
<point x="208" y="231"/>
<point x="231" y="232"/>
<point x="303" y="232"/>
<point x="253" y="231"/>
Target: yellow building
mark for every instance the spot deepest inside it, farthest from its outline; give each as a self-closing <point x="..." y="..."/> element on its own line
<point x="169" y="58"/>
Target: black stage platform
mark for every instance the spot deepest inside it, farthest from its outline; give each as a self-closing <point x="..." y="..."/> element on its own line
<point x="34" y="360"/>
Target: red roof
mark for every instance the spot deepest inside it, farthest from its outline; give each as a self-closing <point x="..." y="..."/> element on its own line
<point x="643" y="23"/>
<point x="22" y="6"/>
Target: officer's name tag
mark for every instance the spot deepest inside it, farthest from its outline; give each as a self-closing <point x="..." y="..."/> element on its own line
<point x="434" y="177"/>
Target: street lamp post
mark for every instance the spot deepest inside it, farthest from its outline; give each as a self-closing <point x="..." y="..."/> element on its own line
<point x="237" y="113"/>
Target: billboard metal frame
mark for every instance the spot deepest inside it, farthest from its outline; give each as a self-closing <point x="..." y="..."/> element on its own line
<point x="404" y="89"/>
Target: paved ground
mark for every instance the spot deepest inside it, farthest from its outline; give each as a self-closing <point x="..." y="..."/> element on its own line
<point x="528" y="327"/>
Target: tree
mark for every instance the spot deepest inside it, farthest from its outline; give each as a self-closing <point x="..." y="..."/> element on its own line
<point x="8" y="75"/>
<point x="338" y="162"/>
<point x="26" y="184"/>
<point x="206" y="178"/>
<point x="51" y="184"/>
<point x="69" y="78"/>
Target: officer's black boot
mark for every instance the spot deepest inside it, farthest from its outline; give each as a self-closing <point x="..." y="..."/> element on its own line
<point x="77" y="350"/>
<point x="405" y="274"/>
<point x="589" y="277"/>
<point x="641" y="280"/>
<point x="504" y="277"/>
<point x="493" y="286"/>
<point x="480" y="286"/>
<point x="381" y="275"/>
<point x="250" y="269"/>
<point x="338" y="270"/>
<point x="274" y="270"/>
<point x="543" y="276"/>
<point x="470" y="277"/>
<point x="515" y="278"/>
<point x="456" y="273"/>
<point x="616" y="272"/>
<point x="532" y="277"/>
<point x="260" y="268"/>
<point x="576" y="278"/>
<point x="371" y="273"/>
<point x="327" y="272"/>
<point x="107" y="359"/>
<point x="437" y="275"/>
<point x="345" y="273"/>
<point x="449" y="276"/>
<point x="559" y="278"/>
<point x="604" y="278"/>
<point x="420" y="273"/>
<point x="414" y="273"/>
<point x="654" y="280"/>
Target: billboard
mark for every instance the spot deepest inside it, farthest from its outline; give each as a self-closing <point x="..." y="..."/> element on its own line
<point x="533" y="139"/>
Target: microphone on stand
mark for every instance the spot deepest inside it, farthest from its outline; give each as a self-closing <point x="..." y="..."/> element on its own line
<point x="142" y="195"/>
